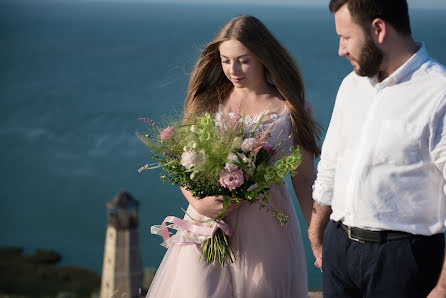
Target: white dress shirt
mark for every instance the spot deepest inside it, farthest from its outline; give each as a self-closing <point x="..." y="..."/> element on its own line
<point x="383" y="162"/>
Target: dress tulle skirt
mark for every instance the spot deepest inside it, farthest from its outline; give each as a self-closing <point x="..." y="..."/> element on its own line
<point x="269" y="258"/>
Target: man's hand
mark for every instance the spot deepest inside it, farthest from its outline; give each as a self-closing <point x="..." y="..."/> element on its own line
<point x="437" y="293"/>
<point x="319" y="220"/>
<point x="440" y="290"/>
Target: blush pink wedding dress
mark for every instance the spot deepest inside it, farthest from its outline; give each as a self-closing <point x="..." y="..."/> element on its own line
<point x="269" y="258"/>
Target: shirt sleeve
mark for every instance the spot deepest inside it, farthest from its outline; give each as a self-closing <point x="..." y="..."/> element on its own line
<point x="324" y="184"/>
<point x="437" y="142"/>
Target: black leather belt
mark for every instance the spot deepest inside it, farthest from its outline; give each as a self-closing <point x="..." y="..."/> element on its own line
<point x="362" y="235"/>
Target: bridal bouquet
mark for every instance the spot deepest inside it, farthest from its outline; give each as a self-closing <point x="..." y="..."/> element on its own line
<point x="216" y="156"/>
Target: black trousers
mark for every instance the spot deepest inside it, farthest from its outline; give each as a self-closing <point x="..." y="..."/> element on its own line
<point x="401" y="268"/>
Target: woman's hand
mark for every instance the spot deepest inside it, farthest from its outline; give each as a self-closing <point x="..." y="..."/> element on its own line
<point x="211" y="206"/>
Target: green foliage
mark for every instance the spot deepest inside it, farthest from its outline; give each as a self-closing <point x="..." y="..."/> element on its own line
<point x="44" y="257"/>
<point x="11" y="251"/>
<point x="25" y="275"/>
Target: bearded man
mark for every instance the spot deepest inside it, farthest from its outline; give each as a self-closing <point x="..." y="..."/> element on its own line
<point x="378" y="221"/>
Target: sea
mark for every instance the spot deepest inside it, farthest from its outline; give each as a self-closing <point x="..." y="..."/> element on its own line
<point x="76" y="75"/>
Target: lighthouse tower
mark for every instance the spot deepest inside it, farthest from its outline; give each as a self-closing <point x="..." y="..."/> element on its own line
<point x="121" y="269"/>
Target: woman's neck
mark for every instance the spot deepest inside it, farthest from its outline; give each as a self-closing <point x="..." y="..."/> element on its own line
<point x="250" y="93"/>
<point x="251" y="101"/>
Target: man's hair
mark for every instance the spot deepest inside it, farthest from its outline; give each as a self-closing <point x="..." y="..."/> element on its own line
<point x="363" y="12"/>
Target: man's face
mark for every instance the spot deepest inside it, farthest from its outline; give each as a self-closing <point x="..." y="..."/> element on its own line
<point x="358" y="47"/>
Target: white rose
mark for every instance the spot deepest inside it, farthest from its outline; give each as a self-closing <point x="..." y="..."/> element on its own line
<point x="188" y="159"/>
<point x="247" y="144"/>
<point x="229" y="165"/>
<point x="233" y="158"/>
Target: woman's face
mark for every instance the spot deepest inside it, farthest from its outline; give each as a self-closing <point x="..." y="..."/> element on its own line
<point x="240" y="66"/>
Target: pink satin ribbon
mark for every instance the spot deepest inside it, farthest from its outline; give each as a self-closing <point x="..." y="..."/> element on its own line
<point x="194" y="228"/>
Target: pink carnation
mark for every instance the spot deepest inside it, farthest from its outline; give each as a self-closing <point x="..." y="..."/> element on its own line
<point x="167" y="133"/>
<point x="231" y="179"/>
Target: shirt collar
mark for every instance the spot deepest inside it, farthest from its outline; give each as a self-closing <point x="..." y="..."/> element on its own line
<point x="409" y="67"/>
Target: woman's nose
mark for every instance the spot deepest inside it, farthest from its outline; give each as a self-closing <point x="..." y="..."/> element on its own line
<point x="234" y="68"/>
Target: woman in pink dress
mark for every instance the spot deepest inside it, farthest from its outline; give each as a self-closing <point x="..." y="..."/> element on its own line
<point x="246" y="69"/>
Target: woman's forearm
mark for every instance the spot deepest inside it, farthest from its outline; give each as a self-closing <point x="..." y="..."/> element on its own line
<point x="303" y="183"/>
<point x="188" y="195"/>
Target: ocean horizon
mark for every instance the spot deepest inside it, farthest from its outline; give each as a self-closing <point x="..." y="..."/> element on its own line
<point x="74" y="78"/>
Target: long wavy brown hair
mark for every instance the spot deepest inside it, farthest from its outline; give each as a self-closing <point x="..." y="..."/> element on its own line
<point x="208" y="85"/>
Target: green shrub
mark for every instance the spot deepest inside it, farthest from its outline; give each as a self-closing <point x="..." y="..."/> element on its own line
<point x="38" y="275"/>
<point x="44" y="257"/>
<point x="11" y="250"/>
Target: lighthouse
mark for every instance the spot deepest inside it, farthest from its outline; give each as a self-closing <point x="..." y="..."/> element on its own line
<point x="122" y="269"/>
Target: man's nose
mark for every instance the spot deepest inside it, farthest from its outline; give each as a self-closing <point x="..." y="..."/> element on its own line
<point x="342" y="51"/>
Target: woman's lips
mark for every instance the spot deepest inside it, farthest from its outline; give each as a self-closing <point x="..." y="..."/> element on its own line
<point x="236" y="79"/>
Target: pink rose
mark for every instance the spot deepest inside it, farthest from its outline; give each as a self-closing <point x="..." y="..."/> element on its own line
<point x="167" y="133"/>
<point x="231" y="179"/>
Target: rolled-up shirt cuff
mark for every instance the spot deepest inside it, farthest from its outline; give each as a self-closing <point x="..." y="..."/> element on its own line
<point x="323" y="199"/>
<point x="322" y="203"/>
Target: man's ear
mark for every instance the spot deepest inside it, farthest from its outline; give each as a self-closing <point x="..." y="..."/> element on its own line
<point x="379" y="30"/>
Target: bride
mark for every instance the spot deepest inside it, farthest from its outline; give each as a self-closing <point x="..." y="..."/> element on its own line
<point x="246" y="69"/>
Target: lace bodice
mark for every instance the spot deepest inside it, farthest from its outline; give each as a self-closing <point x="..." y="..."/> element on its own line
<point x="278" y="123"/>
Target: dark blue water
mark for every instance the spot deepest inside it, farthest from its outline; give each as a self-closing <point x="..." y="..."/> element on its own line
<point x="75" y="76"/>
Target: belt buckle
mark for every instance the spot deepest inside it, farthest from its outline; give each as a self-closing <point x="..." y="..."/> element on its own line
<point x="349" y="233"/>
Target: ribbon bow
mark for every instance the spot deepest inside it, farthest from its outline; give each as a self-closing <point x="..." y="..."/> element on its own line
<point x="191" y="227"/>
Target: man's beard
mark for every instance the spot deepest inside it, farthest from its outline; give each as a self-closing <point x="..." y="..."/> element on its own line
<point x="369" y="60"/>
